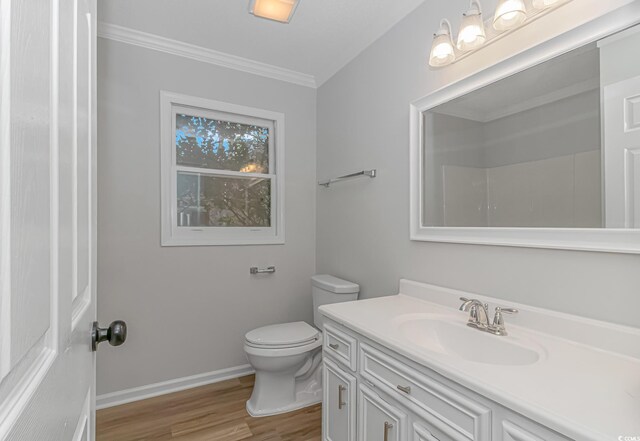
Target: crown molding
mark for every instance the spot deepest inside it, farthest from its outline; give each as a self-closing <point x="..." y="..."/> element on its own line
<point x="174" y="47"/>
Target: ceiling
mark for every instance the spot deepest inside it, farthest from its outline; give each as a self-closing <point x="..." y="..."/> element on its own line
<point x="323" y="36"/>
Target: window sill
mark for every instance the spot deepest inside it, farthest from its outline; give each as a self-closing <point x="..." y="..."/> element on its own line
<point x="184" y="242"/>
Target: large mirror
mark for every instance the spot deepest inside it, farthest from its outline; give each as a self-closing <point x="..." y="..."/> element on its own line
<point x="547" y="156"/>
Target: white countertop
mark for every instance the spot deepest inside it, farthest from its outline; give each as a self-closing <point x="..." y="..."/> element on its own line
<point x="584" y="391"/>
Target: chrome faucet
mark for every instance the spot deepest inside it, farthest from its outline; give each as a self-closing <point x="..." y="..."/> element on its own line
<point x="479" y="316"/>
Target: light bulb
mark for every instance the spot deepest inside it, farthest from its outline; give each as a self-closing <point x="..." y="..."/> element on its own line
<point x="471" y="35"/>
<point x="509" y="14"/>
<point x="544" y="4"/>
<point x="442" y="51"/>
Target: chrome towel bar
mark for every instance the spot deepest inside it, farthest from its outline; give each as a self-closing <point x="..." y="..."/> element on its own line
<point x="363" y="173"/>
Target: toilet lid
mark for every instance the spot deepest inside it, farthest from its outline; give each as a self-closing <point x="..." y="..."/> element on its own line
<point x="284" y="334"/>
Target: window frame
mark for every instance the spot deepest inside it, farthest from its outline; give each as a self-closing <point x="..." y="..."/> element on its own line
<point x="173" y="235"/>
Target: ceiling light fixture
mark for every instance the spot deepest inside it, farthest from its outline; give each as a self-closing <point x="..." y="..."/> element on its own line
<point x="442" y="51"/>
<point x="472" y="34"/>
<point x="276" y="10"/>
<point x="509" y="14"/>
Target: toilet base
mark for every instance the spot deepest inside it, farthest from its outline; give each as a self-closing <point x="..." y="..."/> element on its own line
<point x="275" y="393"/>
<point x="300" y="403"/>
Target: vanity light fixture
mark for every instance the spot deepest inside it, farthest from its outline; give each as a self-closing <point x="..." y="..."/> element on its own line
<point x="544" y="4"/>
<point x="276" y="10"/>
<point x="509" y="14"/>
<point x="475" y="33"/>
<point x="472" y="34"/>
<point x="442" y="50"/>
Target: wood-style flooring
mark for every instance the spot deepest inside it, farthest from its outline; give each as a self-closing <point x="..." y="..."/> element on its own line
<point x="214" y="412"/>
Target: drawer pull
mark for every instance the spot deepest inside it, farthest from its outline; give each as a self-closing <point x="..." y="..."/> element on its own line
<point x="334" y="346"/>
<point x="341" y="403"/>
<point x="387" y="426"/>
<point x="405" y="389"/>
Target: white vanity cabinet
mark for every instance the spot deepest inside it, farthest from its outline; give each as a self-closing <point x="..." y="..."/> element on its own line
<point x="374" y="394"/>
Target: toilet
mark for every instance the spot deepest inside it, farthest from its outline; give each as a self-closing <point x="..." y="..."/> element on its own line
<point x="287" y="357"/>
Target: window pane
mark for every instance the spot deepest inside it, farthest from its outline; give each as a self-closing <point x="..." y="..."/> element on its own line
<point x="214" y="201"/>
<point x="224" y="145"/>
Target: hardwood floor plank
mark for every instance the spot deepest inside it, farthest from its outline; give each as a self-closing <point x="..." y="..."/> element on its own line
<point x="214" y="412"/>
<point x="229" y="432"/>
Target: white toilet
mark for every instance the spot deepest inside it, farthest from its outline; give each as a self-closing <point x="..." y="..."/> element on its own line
<point x="287" y="357"/>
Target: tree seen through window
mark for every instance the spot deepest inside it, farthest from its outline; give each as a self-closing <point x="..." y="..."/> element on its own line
<point x="230" y="200"/>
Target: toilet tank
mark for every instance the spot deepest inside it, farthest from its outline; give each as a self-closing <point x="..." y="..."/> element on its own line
<point x="327" y="289"/>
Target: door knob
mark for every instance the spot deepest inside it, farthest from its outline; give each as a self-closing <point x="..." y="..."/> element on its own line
<point x="115" y="334"/>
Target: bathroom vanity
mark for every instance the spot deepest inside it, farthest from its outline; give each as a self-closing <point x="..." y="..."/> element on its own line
<point x="408" y="368"/>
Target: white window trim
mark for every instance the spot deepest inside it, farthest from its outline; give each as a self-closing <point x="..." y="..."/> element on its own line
<point x="171" y="234"/>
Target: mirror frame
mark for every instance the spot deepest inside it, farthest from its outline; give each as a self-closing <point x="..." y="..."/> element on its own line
<point x="586" y="239"/>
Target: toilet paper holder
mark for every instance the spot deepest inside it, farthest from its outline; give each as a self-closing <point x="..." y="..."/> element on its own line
<point x="267" y="270"/>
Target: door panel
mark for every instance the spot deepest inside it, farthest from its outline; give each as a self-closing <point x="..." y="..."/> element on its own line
<point x="338" y="404"/>
<point x="26" y="226"/>
<point x="82" y="172"/>
<point x="47" y="219"/>
<point x="378" y="420"/>
<point x="622" y="153"/>
<point x="83" y="186"/>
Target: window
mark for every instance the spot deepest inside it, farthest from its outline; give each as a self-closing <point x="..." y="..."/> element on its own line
<point x="222" y="173"/>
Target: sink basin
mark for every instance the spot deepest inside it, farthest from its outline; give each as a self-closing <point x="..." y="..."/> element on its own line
<point x="449" y="335"/>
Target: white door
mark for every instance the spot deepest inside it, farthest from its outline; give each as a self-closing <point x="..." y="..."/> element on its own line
<point x="47" y="219"/>
<point x="622" y="153"/>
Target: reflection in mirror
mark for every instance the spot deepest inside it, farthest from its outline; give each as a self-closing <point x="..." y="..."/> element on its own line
<point x="548" y="147"/>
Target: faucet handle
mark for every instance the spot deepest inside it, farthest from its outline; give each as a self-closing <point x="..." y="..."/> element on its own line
<point x="497" y="327"/>
<point x="498" y="320"/>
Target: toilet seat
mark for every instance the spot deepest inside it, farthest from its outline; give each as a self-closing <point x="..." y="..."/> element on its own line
<point x="282" y="336"/>
<point x="275" y="352"/>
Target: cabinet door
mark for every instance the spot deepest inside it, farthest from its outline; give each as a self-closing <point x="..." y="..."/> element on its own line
<point x="379" y="420"/>
<point x="338" y="404"/>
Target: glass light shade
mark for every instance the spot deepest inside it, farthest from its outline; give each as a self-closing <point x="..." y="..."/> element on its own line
<point x="544" y="4"/>
<point x="509" y="14"/>
<point x="277" y="10"/>
<point x="471" y="35"/>
<point x="442" y="52"/>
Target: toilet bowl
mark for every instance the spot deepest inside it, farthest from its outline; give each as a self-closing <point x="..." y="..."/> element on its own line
<point x="287" y="374"/>
<point x="287" y="357"/>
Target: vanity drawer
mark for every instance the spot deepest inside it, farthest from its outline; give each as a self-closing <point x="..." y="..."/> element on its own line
<point x="448" y="411"/>
<point x="341" y="346"/>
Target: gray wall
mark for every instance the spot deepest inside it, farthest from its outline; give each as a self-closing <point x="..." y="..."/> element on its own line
<point x="363" y="226"/>
<point x="612" y="72"/>
<point x="188" y="308"/>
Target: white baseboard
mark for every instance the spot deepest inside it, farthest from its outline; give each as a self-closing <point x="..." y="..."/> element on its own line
<point x="153" y="390"/>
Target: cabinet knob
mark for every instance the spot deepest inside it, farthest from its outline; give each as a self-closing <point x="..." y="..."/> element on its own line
<point x="334" y="346"/>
